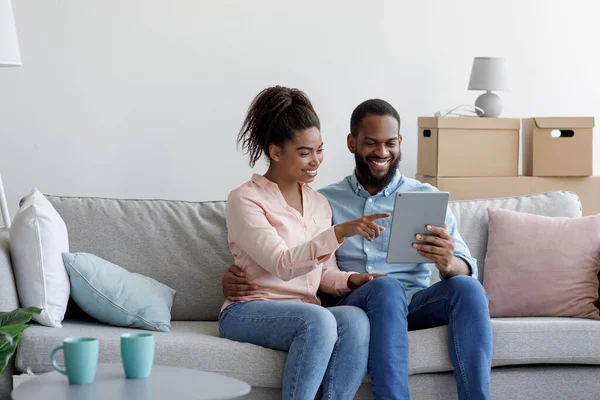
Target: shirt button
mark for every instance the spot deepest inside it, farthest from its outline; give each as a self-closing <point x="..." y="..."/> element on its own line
<point x="370" y="200"/>
<point x="366" y="249"/>
<point x="369" y="268"/>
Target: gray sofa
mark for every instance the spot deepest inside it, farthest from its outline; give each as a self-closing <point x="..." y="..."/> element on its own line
<point x="183" y="245"/>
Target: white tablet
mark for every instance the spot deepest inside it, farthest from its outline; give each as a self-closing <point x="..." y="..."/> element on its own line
<point x="413" y="211"/>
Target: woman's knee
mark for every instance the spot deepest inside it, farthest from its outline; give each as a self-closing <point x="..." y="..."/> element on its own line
<point x="352" y="324"/>
<point x="321" y="327"/>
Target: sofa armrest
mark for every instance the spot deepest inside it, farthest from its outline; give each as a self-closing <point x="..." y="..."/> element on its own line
<point x="9" y="299"/>
<point x="6" y="379"/>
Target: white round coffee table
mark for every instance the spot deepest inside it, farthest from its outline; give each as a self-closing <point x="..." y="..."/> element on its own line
<point x="111" y="384"/>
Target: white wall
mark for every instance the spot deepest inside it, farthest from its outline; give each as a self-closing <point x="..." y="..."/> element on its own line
<point x="144" y="99"/>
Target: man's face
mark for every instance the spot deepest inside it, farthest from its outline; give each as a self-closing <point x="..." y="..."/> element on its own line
<point x="376" y="150"/>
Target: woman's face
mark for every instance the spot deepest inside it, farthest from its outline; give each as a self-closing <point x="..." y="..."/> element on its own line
<point x="299" y="159"/>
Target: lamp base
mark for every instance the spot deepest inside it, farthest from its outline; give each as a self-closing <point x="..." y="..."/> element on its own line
<point x="490" y="103"/>
<point x="4" y="207"/>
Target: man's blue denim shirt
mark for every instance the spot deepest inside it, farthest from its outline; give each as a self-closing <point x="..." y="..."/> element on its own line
<point x="349" y="200"/>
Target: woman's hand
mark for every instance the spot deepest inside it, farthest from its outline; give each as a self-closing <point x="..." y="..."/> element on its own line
<point x="363" y="226"/>
<point x="357" y="280"/>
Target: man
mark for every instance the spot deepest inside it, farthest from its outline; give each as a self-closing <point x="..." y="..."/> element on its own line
<point x="404" y="299"/>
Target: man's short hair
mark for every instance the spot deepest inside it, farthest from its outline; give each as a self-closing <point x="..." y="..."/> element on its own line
<point x="372" y="106"/>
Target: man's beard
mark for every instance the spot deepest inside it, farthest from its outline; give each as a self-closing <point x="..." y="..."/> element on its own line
<point x="364" y="173"/>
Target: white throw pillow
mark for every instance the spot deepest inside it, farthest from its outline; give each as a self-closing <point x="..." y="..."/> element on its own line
<point x="38" y="237"/>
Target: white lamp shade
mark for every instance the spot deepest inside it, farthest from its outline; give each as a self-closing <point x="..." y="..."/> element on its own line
<point x="10" y="56"/>
<point x="489" y="73"/>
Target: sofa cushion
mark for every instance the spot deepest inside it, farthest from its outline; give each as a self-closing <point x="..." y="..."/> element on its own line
<point x="190" y="344"/>
<point x="111" y="294"/>
<point x="38" y="236"/>
<point x="180" y="244"/>
<point x="537" y="266"/>
<point x="472" y="217"/>
<point x="198" y="345"/>
<point x="184" y="244"/>
<point x="545" y="341"/>
<point x="517" y="341"/>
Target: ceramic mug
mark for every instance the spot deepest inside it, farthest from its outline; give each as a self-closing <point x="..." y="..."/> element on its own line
<point x="137" y="354"/>
<point x="81" y="359"/>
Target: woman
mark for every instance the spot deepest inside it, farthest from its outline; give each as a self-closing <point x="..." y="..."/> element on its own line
<point x="280" y="233"/>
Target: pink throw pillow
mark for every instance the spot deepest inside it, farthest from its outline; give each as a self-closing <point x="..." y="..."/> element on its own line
<point x="539" y="266"/>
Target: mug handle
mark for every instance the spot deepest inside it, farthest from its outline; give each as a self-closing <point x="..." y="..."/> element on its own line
<point x="54" y="365"/>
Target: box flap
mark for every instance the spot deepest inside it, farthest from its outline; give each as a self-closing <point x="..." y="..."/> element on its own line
<point x="427" y="122"/>
<point x="564" y="122"/>
<point x="469" y="123"/>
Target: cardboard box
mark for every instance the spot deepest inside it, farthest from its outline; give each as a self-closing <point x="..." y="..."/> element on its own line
<point x="558" y="146"/>
<point x="587" y="188"/>
<point x="456" y="147"/>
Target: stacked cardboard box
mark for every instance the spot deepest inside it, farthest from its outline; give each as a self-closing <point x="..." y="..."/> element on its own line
<point x="475" y="158"/>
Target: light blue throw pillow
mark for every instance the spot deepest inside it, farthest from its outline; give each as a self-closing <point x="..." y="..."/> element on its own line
<point x="116" y="296"/>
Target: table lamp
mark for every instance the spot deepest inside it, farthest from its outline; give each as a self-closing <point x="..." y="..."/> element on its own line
<point x="489" y="73"/>
<point x="10" y="56"/>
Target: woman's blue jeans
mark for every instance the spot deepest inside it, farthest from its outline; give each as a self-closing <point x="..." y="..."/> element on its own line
<point x="327" y="346"/>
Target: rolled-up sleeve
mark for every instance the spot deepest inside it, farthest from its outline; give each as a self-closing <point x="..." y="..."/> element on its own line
<point x="460" y="247"/>
<point x="334" y="281"/>
<point x="250" y="230"/>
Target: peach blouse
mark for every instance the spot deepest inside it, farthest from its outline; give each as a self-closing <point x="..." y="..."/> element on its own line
<point x="288" y="255"/>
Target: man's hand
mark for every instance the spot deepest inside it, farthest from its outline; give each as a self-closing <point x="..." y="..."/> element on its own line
<point x="357" y="280"/>
<point x="235" y="284"/>
<point x="441" y="251"/>
<point x="439" y="248"/>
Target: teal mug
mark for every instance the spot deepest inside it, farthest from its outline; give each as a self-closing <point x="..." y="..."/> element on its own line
<point x="81" y="359"/>
<point x="137" y="354"/>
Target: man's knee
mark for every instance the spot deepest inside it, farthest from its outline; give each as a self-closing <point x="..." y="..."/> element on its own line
<point x="469" y="289"/>
<point x="389" y="289"/>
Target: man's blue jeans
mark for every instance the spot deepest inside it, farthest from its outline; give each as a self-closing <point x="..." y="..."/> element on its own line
<point x="460" y="302"/>
<point x="324" y="345"/>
